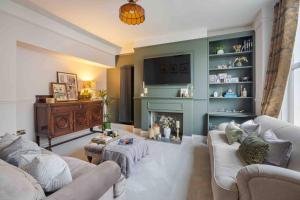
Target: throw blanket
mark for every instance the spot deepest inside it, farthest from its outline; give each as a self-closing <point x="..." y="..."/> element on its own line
<point x="126" y="155"/>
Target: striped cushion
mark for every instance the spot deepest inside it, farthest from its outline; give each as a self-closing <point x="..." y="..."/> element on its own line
<point x="51" y="172"/>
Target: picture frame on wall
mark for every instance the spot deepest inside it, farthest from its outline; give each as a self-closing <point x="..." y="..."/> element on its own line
<point x="71" y="83"/>
<point x="59" y="91"/>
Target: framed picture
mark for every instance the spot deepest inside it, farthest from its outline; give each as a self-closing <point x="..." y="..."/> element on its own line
<point x="59" y="91"/>
<point x="71" y="82"/>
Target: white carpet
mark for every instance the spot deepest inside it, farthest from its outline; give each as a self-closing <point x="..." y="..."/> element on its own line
<point x="170" y="172"/>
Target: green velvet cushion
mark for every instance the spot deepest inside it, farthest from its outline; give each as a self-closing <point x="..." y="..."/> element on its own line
<point x="233" y="132"/>
<point x="253" y="150"/>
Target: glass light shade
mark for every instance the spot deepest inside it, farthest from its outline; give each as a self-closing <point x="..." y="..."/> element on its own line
<point x="132" y="14"/>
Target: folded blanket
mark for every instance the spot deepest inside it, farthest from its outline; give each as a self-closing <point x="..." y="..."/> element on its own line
<point x="126" y="155"/>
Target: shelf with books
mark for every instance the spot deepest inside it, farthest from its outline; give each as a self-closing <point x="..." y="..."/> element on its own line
<point x="231" y="74"/>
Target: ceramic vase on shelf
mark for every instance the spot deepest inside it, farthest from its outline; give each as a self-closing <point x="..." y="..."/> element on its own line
<point x="167" y="132"/>
<point x="220" y="52"/>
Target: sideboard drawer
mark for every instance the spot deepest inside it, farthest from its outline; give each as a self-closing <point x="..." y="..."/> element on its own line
<point x="65" y="108"/>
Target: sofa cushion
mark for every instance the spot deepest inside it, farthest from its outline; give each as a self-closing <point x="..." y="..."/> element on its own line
<point x="12" y="153"/>
<point x="280" y="150"/>
<point x="292" y="134"/>
<point x="78" y="167"/>
<point x="233" y="132"/>
<point x="16" y="184"/>
<point x="285" y="131"/>
<point x="6" y="140"/>
<point x="51" y="172"/>
<point x="253" y="150"/>
<point x="249" y="128"/>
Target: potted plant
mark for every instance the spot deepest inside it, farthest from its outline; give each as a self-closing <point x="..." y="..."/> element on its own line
<point x="167" y="123"/>
<point x="219" y="49"/>
<point x="106" y="115"/>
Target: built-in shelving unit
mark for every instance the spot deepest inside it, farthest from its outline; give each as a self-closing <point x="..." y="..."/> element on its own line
<point x="234" y="106"/>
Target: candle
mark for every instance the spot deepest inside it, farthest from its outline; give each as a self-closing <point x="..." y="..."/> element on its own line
<point x="177" y="124"/>
<point x="143" y="84"/>
<point x="145" y="90"/>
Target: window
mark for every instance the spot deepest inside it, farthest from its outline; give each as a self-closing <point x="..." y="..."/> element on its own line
<point x="290" y="110"/>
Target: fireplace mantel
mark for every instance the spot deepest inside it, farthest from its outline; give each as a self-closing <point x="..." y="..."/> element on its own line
<point x="168" y="105"/>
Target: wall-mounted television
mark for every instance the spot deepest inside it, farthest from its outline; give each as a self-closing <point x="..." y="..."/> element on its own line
<point x="169" y="70"/>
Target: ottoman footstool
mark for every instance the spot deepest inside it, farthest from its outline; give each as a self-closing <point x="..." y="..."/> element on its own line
<point x="93" y="150"/>
<point x="126" y="156"/>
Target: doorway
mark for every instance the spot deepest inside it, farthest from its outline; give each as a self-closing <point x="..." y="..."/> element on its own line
<point x="126" y="105"/>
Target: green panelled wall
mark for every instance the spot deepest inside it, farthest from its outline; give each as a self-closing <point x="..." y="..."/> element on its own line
<point x="198" y="107"/>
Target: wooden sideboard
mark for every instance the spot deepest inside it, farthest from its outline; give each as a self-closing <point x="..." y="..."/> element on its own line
<point x="57" y="119"/>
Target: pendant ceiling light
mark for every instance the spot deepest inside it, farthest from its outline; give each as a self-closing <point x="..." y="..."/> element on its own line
<point x="131" y="13"/>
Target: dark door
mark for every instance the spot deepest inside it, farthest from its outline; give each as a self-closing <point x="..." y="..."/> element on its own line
<point x="126" y="94"/>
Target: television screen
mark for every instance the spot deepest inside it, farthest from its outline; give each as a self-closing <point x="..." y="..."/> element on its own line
<point x="170" y="70"/>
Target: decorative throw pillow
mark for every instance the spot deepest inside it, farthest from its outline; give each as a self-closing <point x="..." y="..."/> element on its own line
<point x="280" y="150"/>
<point x="253" y="150"/>
<point x="6" y="140"/>
<point x="250" y="128"/>
<point x="51" y="171"/>
<point x="222" y="126"/>
<point x="233" y="132"/>
<point x="13" y="152"/>
<point x="16" y="184"/>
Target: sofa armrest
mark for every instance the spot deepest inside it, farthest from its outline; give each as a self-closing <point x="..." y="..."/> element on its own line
<point x="268" y="182"/>
<point x="90" y="186"/>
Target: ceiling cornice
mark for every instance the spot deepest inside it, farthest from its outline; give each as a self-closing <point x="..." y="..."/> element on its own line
<point x="172" y="37"/>
<point x="42" y="18"/>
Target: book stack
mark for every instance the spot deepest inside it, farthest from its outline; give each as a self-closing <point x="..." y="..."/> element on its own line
<point x="102" y="139"/>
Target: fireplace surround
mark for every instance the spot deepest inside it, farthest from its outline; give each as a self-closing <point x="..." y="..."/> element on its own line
<point x="173" y="106"/>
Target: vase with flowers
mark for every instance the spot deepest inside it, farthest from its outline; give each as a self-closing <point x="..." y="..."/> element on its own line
<point x="167" y="123"/>
<point x="106" y="114"/>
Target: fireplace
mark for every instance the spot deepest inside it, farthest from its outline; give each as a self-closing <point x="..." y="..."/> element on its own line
<point x="180" y="108"/>
<point x="155" y="118"/>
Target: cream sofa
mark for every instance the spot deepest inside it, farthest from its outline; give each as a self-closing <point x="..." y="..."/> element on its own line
<point x="90" y="182"/>
<point x="232" y="179"/>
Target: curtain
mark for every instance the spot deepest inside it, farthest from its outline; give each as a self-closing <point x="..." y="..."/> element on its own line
<point x="126" y="101"/>
<point x="281" y="51"/>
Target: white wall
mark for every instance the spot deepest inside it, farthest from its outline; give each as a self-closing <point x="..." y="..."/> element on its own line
<point x="26" y="70"/>
<point x="36" y="68"/>
<point x="263" y="30"/>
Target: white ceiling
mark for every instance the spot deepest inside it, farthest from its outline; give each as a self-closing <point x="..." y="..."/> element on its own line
<point x="163" y="17"/>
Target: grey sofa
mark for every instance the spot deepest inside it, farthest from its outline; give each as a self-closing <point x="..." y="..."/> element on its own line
<point x="90" y="182"/>
<point x="232" y="179"/>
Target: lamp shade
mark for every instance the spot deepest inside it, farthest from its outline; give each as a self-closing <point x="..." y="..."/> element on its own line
<point x="131" y="13"/>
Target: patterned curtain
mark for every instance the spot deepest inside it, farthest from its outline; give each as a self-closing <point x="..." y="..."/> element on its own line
<point x="282" y="44"/>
